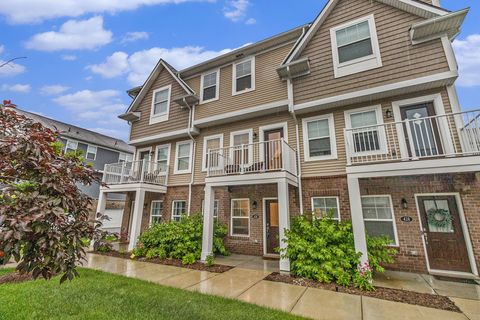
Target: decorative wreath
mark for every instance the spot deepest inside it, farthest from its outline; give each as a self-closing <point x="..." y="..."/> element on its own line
<point x="440" y="218"/>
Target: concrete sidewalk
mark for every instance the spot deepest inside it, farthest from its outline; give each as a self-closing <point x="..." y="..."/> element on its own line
<point x="245" y="282"/>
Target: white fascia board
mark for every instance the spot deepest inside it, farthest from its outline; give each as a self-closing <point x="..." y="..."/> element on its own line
<point x="165" y="136"/>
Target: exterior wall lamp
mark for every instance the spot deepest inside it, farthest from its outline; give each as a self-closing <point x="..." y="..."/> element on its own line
<point x="388" y="113"/>
<point x="404" y="203"/>
<point x="254" y="204"/>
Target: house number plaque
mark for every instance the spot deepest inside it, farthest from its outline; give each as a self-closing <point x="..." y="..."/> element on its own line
<point x="406" y="219"/>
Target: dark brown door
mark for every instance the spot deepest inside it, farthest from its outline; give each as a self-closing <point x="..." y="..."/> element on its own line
<point x="272" y="225"/>
<point x="424" y="134"/>
<point x="443" y="233"/>
<point x="273" y="149"/>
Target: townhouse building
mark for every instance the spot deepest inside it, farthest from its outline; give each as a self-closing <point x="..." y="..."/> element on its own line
<point x="355" y="113"/>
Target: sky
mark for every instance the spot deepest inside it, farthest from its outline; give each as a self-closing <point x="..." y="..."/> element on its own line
<point x="82" y="56"/>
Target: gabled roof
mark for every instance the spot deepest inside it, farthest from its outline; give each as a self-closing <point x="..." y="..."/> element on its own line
<point x="161" y="65"/>
<point x="416" y="7"/>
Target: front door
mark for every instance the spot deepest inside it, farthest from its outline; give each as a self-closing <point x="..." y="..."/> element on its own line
<point x="273" y="149"/>
<point x="424" y="134"/>
<point x="444" y="238"/>
<point x="271" y="226"/>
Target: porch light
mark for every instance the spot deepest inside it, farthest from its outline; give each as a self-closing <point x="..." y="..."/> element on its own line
<point x="388" y="113"/>
<point x="255" y="136"/>
<point x="254" y="204"/>
<point x="404" y="203"/>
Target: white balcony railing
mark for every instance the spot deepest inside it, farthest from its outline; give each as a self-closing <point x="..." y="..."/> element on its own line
<point x="141" y="171"/>
<point x="448" y="135"/>
<point x="259" y="157"/>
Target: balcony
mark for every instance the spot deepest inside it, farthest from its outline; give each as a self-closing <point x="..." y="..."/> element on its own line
<point x="135" y="172"/>
<point x="436" y="137"/>
<point x="260" y="157"/>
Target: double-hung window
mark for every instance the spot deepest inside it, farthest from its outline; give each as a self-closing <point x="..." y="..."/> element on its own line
<point x="378" y="217"/>
<point x="163" y="154"/>
<point x="215" y="208"/>
<point x="355" y="47"/>
<point x="71" y="146"/>
<point x="91" y="152"/>
<point x="156" y="212"/>
<point x="365" y="130"/>
<point x="323" y="206"/>
<point x="240" y="217"/>
<point x="160" y="104"/>
<point x="209" y="86"/>
<point x="183" y="157"/>
<point x="212" y="152"/>
<point x="179" y="209"/>
<point x="125" y="157"/>
<point x="319" y="138"/>
<point x="244" y="76"/>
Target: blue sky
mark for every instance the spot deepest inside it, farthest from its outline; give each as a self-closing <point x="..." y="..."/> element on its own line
<point x="83" y="55"/>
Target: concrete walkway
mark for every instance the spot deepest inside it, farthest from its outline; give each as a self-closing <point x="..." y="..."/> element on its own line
<point x="245" y="282"/>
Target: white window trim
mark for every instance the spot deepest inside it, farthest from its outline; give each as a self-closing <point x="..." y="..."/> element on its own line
<point x="396" y="243"/>
<point x="247" y="217"/>
<point x="204" y="154"/>
<point x="215" y="202"/>
<point x="361" y="64"/>
<point x="217" y="89"/>
<point x="164" y="116"/>
<point x="382" y="137"/>
<point x="95" y="153"/>
<point x="261" y="135"/>
<point x="250" y="142"/>
<point x="189" y="170"/>
<point x="71" y="141"/>
<point x="173" y="209"/>
<point x="137" y="157"/>
<point x="168" y="145"/>
<point x="328" y="197"/>
<point x="234" y="76"/>
<point x="151" y="210"/>
<point x="126" y="157"/>
<point x="333" y="140"/>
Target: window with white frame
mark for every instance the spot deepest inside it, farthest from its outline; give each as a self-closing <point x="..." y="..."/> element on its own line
<point x="156" y="211"/>
<point x="323" y="206"/>
<point x="210" y="86"/>
<point x="91" y="153"/>
<point x="183" y="157"/>
<point x="125" y="157"/>
<point x="355" y="47"/>
<point x="71" y="145"/>
<point x="179" y="209"/>
<point x="243" y="149"/>
<point x="244" y="76"/>
<point x="319" y="138"/>
<point x="163" y="154"/>
<point x="213" y="144"/>
<point x="379" y="217"/>
<point x="215" y="208"/>
<point x="367" y="135"/>
<point x="160" y="104"/>
<point x="240" y="217"/>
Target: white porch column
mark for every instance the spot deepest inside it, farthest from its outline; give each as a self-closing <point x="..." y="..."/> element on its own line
<point x="102" y="203"/>
<point x="137" y="218"/>
<point x="357" y="218"/>
<point x="284" y="220"/>
<point x="207" y="240"/>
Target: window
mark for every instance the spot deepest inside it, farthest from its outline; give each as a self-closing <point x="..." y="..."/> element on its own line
<point x="91" y="152"/>
<point x="160" y="105"/>
<point x="355" y="47"/>
<point x="156" y="212"/>
<point x="71" y="146"/>
<point x="179" y="209"/>
<point x="369" y="134"/>
<point x="244" y="76"/>
<point x="378" y="217"/>
<point x="212" y="143"/>
<point x="183" y="153"/>
<point x="243" y="151"/>
<point x="163" y="153"/>
<point x="210" y="86"/>
<point x="325" y="205"/>
<point x="319" y="138"/>
<point x="125" y="157"/>
<point x="215" y="208"/>
<point x="240" y="217"/>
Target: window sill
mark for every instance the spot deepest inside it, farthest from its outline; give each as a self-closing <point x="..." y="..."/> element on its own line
<point x="207" y="101"/>
<point x="158" y="119"/>
<point x="323" y="158"/>
<point x="182" y="172"/>
<point x="236" y="93"/>
<point x="356" y="66"/>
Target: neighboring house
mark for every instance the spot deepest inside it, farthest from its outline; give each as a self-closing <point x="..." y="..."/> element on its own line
<point x="99" y="150"/>
<point x="355" y="113"/>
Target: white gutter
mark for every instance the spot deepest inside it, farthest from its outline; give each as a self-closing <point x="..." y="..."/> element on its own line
<point x="190" y="121"/>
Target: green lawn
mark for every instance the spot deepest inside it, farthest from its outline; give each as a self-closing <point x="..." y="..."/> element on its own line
<point x="99" y="295"/>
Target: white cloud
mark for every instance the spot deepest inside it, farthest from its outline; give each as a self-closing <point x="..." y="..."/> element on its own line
<point x="73" y="35"/>
<point x="120" y="134"/>
<point x="53" y="89"/>
<point x="468" y="53"/>
<point x="135" y="36"/>
<point x="251" y="21"/>
<point x="138" y="65"/>
<point x="11" y="69"/>
<point x="236" y="10"/>
<point x="69" y="57"/>
<point x="87" y="99"/>
<point x="29" y="11"/>
<point x="18" y="88"/>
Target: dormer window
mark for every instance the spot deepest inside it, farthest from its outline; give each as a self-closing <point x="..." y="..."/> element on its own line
<point x="160" y="104"/>
<point x="244" y="76"/>
<point x="355" y="47"/>
<point x="209" y="86"/>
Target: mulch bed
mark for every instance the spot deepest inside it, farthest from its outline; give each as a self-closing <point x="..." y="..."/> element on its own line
<point x="15" y="277"/>
<point x="216" y="268"/>
<point x="410" y="297"/>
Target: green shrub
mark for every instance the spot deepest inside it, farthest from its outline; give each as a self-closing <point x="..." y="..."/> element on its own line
<point x="179" y="240"/>
<point x="210" y="260"/>
<point x="324" y="250"/>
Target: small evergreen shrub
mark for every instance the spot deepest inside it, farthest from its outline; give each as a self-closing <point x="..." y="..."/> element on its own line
<point x="324" y="250"/>
<point x="210" y="261"/>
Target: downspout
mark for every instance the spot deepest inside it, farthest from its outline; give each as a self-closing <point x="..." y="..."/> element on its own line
<point x="190" y="124"/>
